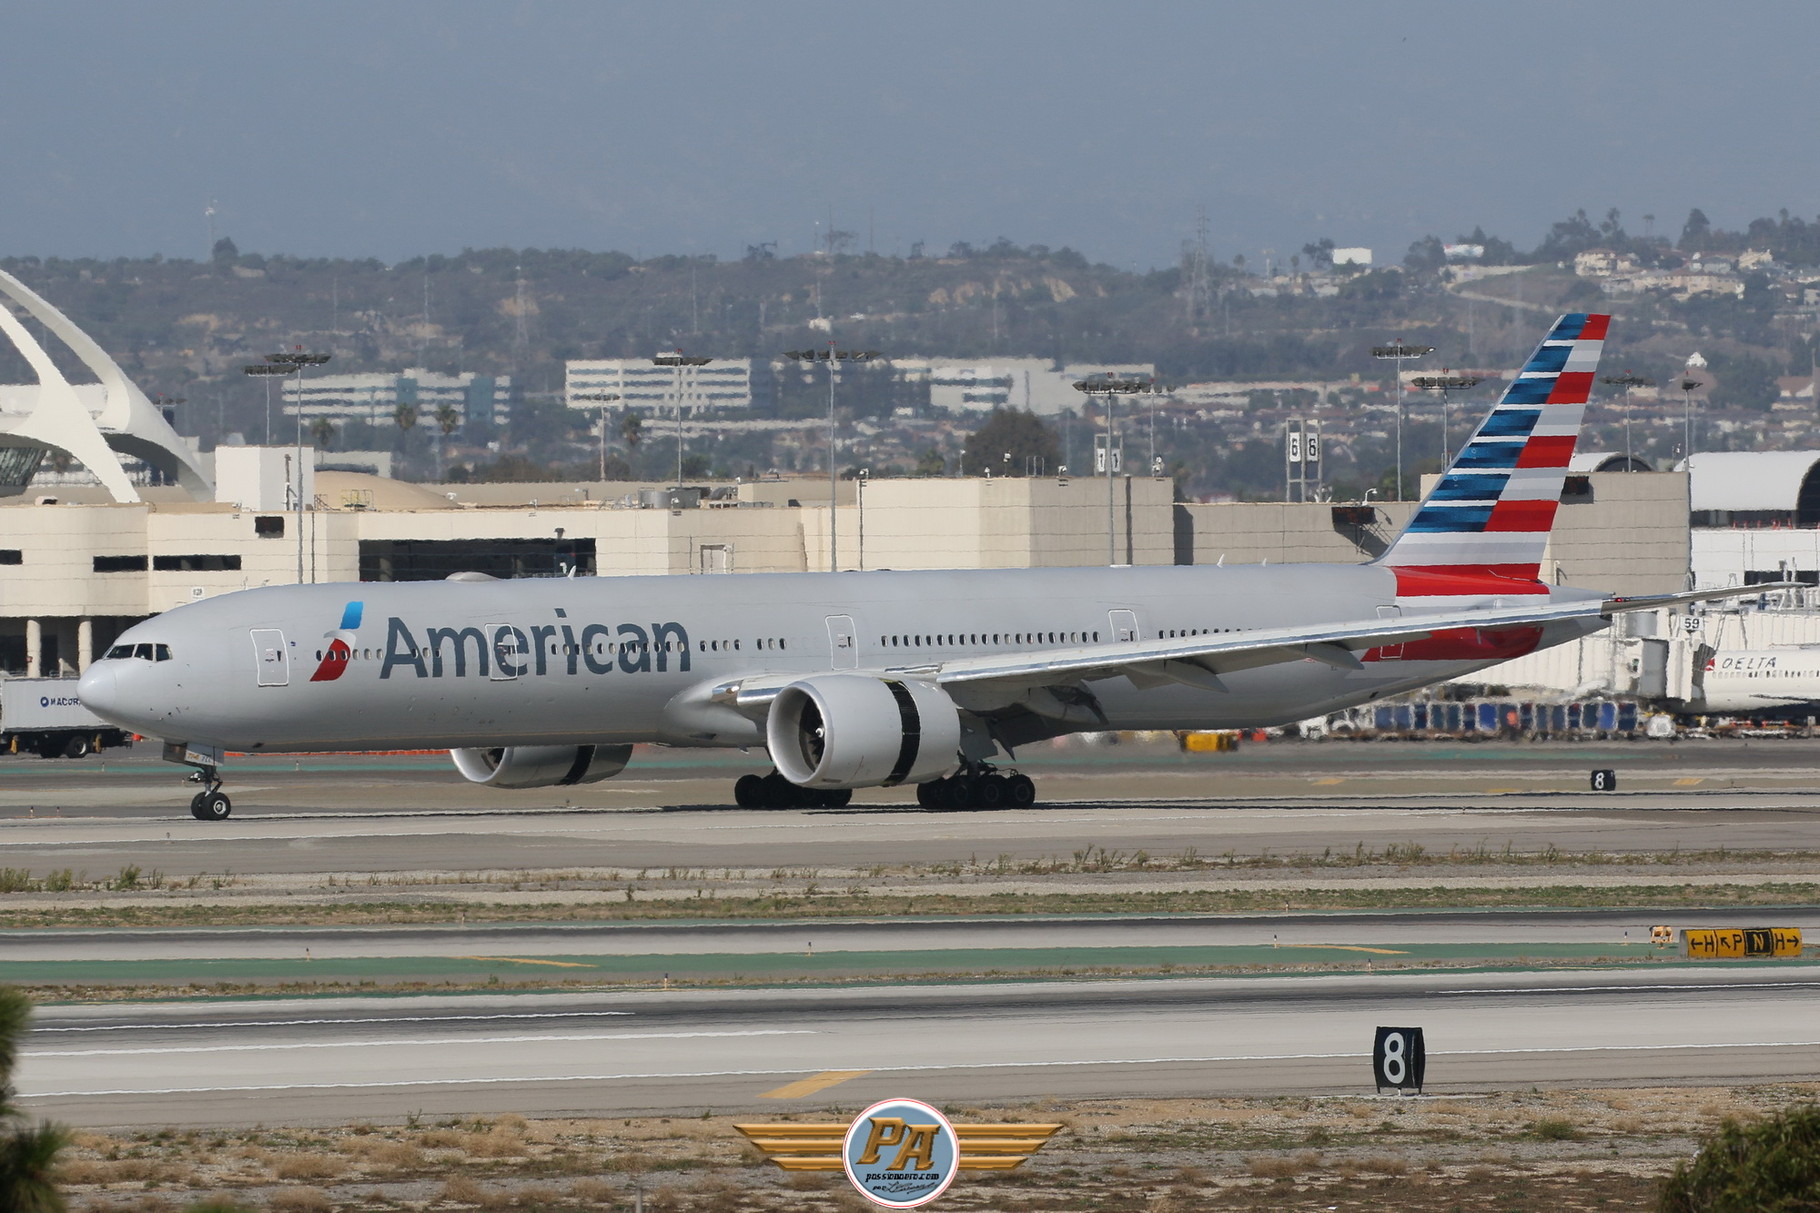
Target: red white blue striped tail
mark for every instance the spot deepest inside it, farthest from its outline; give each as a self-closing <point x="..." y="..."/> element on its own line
<point x="1489" y="516"/>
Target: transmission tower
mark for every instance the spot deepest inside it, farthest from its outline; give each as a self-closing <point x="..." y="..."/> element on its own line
<point x="1197" y="292"/>
<point x="521" y="332"/>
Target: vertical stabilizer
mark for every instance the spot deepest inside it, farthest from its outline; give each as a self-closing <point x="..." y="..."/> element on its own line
<point x="1490" y="514"/>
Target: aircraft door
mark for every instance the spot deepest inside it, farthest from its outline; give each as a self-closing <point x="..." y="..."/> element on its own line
<point x="1124" y="625"/>
<point x="1390" y="652"/>
<point x="843" y="645"/>
<point x="271" y="658"/>
<point x="509" y="652"/>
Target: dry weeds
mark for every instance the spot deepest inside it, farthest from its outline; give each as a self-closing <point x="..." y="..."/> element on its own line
<point x="1117" y="1156"/>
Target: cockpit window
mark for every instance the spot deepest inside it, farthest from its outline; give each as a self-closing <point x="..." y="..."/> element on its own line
<point x="144" y="652"/>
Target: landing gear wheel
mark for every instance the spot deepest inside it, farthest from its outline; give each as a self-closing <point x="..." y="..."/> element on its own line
<point x="834" y="798"/>
<point x="991" y="792"/>
<point x="778" y="792"/>
<point x="749" y="791"/>
<point x="1020" y="791"/>
<point x="929" y="795"/>
<point x="211" y="806"/>
<point x="958" y="795"/>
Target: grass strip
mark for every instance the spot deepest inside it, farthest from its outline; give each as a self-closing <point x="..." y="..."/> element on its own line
<point x="786" y="906"/>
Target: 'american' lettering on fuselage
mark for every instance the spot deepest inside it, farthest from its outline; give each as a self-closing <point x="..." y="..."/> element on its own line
<point x="509" y="651"/>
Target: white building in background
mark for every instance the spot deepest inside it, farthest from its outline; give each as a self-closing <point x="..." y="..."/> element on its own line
<point x="725" y="383"/>
<point x="92" y="424"/>
<point x="1356" y="256"/>
<point x="1034" y="384"/>
<point x="374" y="397"/>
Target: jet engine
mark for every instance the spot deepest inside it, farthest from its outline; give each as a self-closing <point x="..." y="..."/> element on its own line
<point x="541" y="766"/>
<point x="857" y="731"/>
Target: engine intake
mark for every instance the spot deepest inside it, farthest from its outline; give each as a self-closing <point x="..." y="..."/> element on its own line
<point x="856" y="731"/>
<point x="541" y="766"/>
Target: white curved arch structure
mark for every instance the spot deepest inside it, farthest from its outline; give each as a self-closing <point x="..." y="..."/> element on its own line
<point x="128" y="423"/>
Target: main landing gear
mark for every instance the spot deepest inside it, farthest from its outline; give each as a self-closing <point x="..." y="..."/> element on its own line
<point x="977" y="786"/>
<point x="210" y="804"/>
<point x="773" y="791"/>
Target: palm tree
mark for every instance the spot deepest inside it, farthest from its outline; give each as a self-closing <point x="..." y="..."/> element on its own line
<point x="448" y="417"/>
<point x="28" y="1152"/>
<point x="323" y="431"/>
<point x="405" y="416"/>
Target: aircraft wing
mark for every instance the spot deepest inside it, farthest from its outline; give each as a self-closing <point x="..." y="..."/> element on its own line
<point x="1200" y="660"/>
<point x="1649" y="602"/>
<point x="1194" y="660"/>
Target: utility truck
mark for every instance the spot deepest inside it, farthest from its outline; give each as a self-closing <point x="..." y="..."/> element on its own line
<point x="44" y="716"/>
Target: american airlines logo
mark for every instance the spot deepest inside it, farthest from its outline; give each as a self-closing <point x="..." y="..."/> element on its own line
<point x="508" y="650"/>
<point x="341" y="645"/>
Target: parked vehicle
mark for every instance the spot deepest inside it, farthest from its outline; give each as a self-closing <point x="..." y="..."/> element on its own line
<point x="43" y="716"/>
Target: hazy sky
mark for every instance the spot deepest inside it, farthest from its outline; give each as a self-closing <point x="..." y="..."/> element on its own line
<point x="409" y="126"/>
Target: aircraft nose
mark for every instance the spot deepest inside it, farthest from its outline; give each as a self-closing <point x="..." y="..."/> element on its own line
<point x="99" y="690"/>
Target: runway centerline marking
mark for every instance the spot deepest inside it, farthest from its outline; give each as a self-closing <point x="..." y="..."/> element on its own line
<point x="393" y="1044"/>
<point x="815" y="1082"/>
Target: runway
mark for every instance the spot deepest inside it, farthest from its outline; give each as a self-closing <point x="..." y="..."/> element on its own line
<point x="772" y="1051"/>
<point x="391" y="814"/>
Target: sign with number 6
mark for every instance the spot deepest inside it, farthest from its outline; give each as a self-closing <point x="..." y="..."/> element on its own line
<point x="1398" y="1058"/>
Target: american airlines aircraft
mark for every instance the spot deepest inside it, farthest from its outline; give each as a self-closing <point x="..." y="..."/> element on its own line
<point x="875" y="679"/>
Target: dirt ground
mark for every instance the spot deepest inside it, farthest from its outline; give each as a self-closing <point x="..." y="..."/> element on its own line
<point x="1560" y="1151"/>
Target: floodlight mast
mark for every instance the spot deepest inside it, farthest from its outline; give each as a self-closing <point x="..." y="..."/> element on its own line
<point x="1627" y="381"/>
<point x="1397" y="351"/>
<point x="295" y="360"/>
<point x="265" y="370"/>
<point x="1108" y="385"/>
<point x="1443" y="383"/>
<point x="603" y="399"/>
<point x="832" y="357"/>
<point x="679" y="360"/>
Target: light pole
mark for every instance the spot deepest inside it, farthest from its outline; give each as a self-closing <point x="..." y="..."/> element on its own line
<point x="833" y="358"/>
<point x="1397" y="351"/>
<point x="679" y="360"/>
<point x="604" y="399"/>
<point x="1108" y="386"/>
<point x="296" y="360"/>
<point x="1441" y="383"/>
<point x="865" y="474"/>
<point x="1627" y="381"/>
<point x="1688" y="384"/>
<point x="265" y="370"/>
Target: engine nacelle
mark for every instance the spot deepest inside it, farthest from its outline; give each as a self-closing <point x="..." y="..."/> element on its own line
<point x="541" y="766"/>
<point x="858" y="731"/>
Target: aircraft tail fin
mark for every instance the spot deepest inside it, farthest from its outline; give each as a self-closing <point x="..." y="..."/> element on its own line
<point x="1490" y="514"/>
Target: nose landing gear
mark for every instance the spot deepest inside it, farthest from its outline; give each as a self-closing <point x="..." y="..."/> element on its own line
<point x="978" y="786"/>
<point x="210" y="804"/>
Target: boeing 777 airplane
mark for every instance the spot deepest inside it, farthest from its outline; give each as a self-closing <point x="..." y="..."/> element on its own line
<point x="875" y="679"/>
